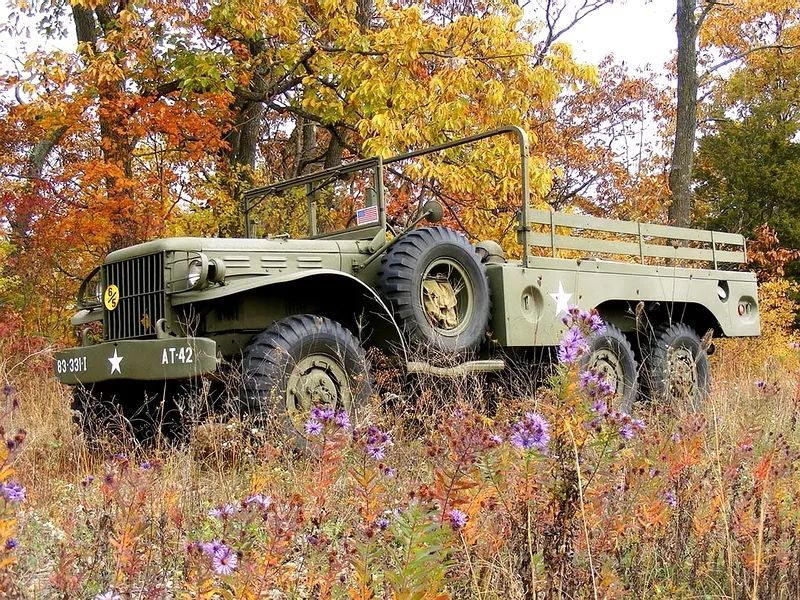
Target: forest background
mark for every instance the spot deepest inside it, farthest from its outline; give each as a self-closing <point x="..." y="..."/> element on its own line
<point x="165" y="112"/>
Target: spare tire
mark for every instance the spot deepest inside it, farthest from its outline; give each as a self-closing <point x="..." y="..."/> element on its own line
<point x="436" y="286"/>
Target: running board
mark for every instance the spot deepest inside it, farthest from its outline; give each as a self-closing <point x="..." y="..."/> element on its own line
<point x="466" y="368"/>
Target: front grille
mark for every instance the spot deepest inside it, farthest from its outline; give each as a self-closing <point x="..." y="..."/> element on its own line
<point x="141" y="290"/>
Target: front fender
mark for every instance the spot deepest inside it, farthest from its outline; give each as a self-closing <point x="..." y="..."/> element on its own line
<point x="363" y="299"/>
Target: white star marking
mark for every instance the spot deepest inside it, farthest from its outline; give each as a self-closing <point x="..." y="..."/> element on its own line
<point x="115" y="360"/>
<point x="562" y="299"/>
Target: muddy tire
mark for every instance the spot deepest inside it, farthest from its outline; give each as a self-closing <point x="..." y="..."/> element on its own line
<point x="436" y="286"/>
<point x="611" y="354"/>
<point x="677" y="366"/>
<point x="301" y="362"/>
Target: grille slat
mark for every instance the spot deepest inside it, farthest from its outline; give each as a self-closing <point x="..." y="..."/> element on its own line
<point x="141" y="288"/>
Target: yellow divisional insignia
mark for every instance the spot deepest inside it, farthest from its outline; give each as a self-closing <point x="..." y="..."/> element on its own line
<point x="111" y="297"/>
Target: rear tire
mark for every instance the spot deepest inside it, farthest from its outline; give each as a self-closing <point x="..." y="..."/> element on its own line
<point x="302" y="362"/>
<point x="677" y="366"/>
<point x="611" y="354"/>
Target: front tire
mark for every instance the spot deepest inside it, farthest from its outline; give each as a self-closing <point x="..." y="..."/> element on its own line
<point x="302" y="362"/>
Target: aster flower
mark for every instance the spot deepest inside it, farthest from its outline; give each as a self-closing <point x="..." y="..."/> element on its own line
<point x="629" y="427"/>
<point x="573" y="345"/>
<point x="794" y="345"/>
<point x="382" y="523"/>
<point x="109" y="595"/>
<point x="145" y="465"/>
<point x="322" y="414"/>
<point x="458" y="519"/>
<point x="12" y="492"/>
<point x="11" y="543"/>
<point x="595" y="384"/>
<point x="224" y="561"/>
<point x="212" y="547"/>
<point x="670" y="498"/>
<point x="532" y="432"/>
<point x="375" y="441"/>
<point x="222" y="512"/>
<point x="313" y="427"/>
<point x="389" y="472"/>
<point x="600" y="407"/>
<point x="260" y="500"/>
<point x="342" y="419"/>
<point x="761" y="385"/>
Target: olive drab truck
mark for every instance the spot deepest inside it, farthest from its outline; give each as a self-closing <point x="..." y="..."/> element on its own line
<point x="296" y="316"/>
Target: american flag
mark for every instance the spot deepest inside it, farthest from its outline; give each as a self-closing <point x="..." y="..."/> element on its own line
<point x="367" y="215"/>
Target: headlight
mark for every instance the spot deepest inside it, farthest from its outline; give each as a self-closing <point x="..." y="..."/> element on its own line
<point x="98" y="291"/>
<point x="197" y="273"/>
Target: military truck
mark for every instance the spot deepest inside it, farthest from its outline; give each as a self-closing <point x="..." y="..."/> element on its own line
<point x="295" y="316"/>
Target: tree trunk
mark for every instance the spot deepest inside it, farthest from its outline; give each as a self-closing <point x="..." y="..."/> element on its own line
<point x="680" y="174"/>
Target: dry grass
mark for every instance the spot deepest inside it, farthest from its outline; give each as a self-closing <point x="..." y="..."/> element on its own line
<point x="584" y="522"/>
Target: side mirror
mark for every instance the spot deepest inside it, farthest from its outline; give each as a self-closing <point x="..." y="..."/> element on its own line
<point x="433" y="211"/>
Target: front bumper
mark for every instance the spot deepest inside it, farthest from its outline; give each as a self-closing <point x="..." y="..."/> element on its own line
<point x="143" y="360"/>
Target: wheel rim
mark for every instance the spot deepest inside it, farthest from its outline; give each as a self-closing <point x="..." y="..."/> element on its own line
<point x="608" y="363"/>
<point x="446" y="297"/>
<point x="682" y="376"/>
<point x="316" y="381"/>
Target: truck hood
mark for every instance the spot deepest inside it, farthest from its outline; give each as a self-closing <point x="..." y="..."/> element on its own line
<point x="230" y="245"/>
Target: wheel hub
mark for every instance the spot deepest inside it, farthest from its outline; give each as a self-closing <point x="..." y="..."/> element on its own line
<point x="682" y="373"/>
<point x="440" y="303"/>
<point x="446" y="296"/>
<point x="316" y="381"/>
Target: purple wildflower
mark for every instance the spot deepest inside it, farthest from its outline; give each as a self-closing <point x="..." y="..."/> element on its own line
<point x="145" y="465"/>
<point x="496" y="439"/>
<point x="342" y="419"/>
<point x="224" y="561"/>
<point x="260" y="500"/>
<point x="794" y="345"/>
<point x="531" y="432"/>
<point x="595" y="323"/>
<point x="12" y="492"/>
<point x="630" y="427"/>
<point x="375" y="441"/>
<point x="322" y="415"/>
<point x="676" y="436"/>
<point x="212" y="547"/>
<point x="222" y="512"/>
<point x="109" y="595"/>
<point x="382" y="523"/>
<point x="11" y="543"/>
<point x="573" y="346"/>
<point x="595" y="384"/>
<point x="458" y="519"/>
<point x="313" y="427"/>
<point x="670" y="498"/>
<point x="626" y="431"/>
<point x="761" y="385"/>
<point x="8" y="390"/>
<point x="389" y="472"/>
